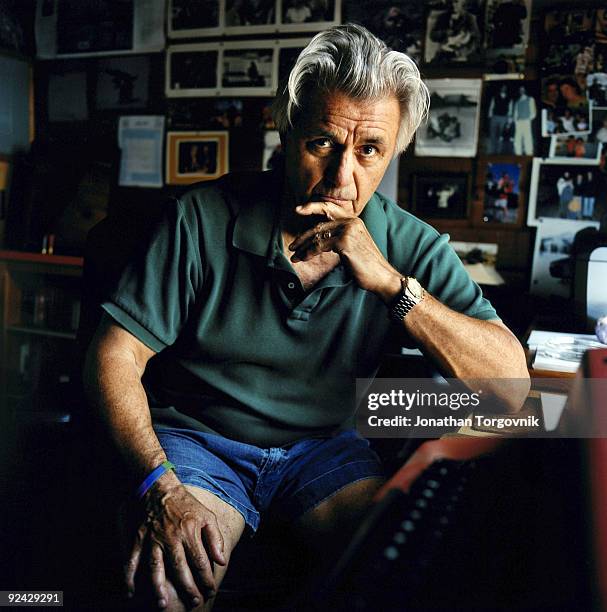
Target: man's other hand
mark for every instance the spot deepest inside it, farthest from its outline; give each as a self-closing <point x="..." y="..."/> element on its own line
<point x="349" y="238"/>
<point x="181" y="540"/>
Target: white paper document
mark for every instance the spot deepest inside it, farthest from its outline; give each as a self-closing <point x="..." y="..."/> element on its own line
<point x="140" y="139"/>
<point x="560" y="352"/>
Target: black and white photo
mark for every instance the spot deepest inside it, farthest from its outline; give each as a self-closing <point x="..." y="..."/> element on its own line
<point x="553" y="243"/>
<point x="452" y="126"/>
<point x="250" y="16"/>
<point x="122" y="82"/>
<point x="453" y="33"/>
<point x="191" y="70"/>
<point x="565" y="190"/>
<point x="194" y="18"/>
<point x="441" y="196"/>
<point x="399" y="23"/>
<point x="89" y="26"/>
<point x="506" y="31"/>
<point x="597" y="89"/>
<point x="308" y="15"/>
<point x="248" y="69"/>
<point x="272" y="150"/>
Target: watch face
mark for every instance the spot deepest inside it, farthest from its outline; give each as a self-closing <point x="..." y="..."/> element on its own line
<point x="414" y="288"/>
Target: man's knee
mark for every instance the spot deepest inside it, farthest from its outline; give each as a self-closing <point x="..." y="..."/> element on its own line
<point x="231" y="525"/>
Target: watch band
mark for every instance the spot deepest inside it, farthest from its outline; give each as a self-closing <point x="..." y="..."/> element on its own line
<point x="403" y="303"/>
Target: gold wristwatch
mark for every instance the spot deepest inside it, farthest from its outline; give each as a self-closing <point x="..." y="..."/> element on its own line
<point x="411" y="295"/>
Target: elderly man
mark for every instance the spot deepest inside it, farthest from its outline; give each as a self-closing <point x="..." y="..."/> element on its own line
<point x="266" y="296"/>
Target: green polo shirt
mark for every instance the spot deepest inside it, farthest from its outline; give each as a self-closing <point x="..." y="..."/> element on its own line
<point x="245" y="351"/>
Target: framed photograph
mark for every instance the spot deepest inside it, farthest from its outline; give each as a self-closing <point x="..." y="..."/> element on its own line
<point x="569" y="25"/>
<point x="195" y="156"/>
<point x="192" y="70"/>
<point x="599" y="133"/>
<point x="400" y="23"/>
<point x="441" y="196"/>
<point x="453" y="33"/>
<point x="597" y="89"/>
<point x="251" y="16"/>
<point x="211" y="18"/>
<point x="84" y="28"/>
<point x="479" y="259"/>
<point x="194" y="18"/>
<point x="562" y="190"/>
<point x="272" y="150"/>
<point x="553" y="243"/>
<point x="502" y="193"/>
<point x="575" y="148"/>
<point x="309" y="15"/>
<point x="507" y="24"/>
<point x="510" y="124"/>
<point x="452" y="126"/>
<point x="565" y="106"/>
<point x="247" y="69"/>
<point x="123" y="82"/>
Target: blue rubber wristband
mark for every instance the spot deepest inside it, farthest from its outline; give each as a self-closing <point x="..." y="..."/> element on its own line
<point x="165" y="466"/>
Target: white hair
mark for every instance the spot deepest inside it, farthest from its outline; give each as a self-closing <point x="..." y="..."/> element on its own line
<point x="351" y="60"/>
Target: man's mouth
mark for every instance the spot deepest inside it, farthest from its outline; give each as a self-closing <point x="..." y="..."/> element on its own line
<point x="325" y="198"/>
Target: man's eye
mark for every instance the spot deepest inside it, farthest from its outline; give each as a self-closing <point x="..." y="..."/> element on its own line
<point x="322" y="143"/>
<point x="368" y="150"/>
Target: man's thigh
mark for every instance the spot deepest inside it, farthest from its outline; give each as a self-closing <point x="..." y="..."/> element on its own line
<point x="329" y="526"/>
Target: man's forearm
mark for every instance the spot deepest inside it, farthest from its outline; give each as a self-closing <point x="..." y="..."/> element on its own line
<point x="114" y="389"/>
<point x="465" y="347"/>
<point x="469" y="349"/>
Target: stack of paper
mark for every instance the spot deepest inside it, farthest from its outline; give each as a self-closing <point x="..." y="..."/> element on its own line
<point x="559" y="352"/>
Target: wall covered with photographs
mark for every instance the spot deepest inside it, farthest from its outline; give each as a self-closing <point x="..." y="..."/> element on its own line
<point x="186" y="96"/>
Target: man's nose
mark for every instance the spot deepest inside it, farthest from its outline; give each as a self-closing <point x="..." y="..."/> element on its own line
<point x="340" y="171"/>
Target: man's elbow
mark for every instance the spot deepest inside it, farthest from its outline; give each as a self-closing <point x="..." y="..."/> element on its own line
<point x="515" y="382"/>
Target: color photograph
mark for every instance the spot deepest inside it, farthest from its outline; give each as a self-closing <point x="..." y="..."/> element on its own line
<point x="562" y="190"/>
<point x="501" y="193"/>
<point x="195" y="156"/>
<point x="576" y="148"/>
<point x="510" y="124"/>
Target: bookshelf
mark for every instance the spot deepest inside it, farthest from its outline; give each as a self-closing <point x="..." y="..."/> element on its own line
<point x="39" y="316"/>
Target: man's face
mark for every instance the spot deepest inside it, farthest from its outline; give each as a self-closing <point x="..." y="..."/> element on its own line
<point x="552" y="92"/>
<point x="339" y="150"/>
<point x="459" y="5"/>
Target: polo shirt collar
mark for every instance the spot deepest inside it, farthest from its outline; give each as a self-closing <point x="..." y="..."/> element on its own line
<point x="255" y="225"/>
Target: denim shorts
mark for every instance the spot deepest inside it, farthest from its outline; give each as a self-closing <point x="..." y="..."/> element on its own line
<point x="291" y="479"/>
